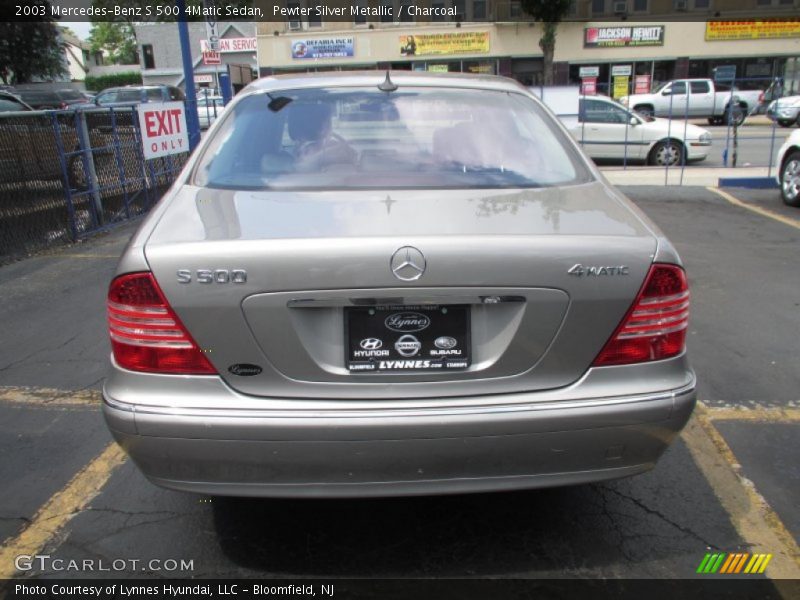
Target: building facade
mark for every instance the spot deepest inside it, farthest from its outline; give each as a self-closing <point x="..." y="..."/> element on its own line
<point x="160" y="53"/>
<point x="655" y="40"/>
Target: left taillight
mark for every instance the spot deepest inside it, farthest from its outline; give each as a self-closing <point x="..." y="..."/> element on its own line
<point x="146" y="334"/>
<point x="655" y="326"/>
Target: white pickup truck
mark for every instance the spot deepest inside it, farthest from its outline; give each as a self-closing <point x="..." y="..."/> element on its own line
<point x="683" y="98"/>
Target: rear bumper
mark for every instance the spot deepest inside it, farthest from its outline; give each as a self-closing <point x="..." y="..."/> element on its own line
<point x="513" y="443"/>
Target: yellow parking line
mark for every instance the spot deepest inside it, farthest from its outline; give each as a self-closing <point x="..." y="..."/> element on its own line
<point x="756" y="209"/>
<point x="50" y="398"/>
<point x="751" y="515"/>
<point x="761" y="414"/>
<point x="60" y="508"/>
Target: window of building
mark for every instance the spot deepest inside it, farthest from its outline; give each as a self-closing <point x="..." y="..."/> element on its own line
<point x="786" y="2"/>
<point x="438" y="5"/>
<point x="388" y="7"/>
<point x="314" y="19"/>
<point x="702" y="4"/>
<point x="640" y="5"/>
<point x="360" y="19"/>
<point x="404" y="12"/>
<point x="515" y="10"/>
<point x="479" y="9"/>
<point x="461" y="10"/>
<point x="598" y="7"/>
<point x="149" y="58"/>
<point x="294" y="24"/>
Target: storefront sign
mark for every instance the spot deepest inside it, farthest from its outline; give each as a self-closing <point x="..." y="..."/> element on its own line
<point x="163" y="127"/>
<point x="609" y="37"/>
<point x="203" y="78"/>
<point x="589" y="86"/>
<point x="584" y="72"/>
<point x="465" y="42"/>
<point x="332" y="47"/>
<point x="225" y="45"/>
<point x="752" y="30"/>
<point x="641" y="84"/>
<point x="625" y="70"/>
<point x="620" y="86"/>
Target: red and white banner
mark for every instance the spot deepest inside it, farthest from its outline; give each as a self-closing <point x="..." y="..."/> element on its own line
<point x="589" y="86"/>
<point x="641" y="84"/>
<point x="226" y="45"/>
<point x="212" y="58"/>
<point x="163" y="127"/>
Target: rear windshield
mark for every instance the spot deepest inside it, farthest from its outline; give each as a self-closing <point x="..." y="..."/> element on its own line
<point x="364" y="139"/>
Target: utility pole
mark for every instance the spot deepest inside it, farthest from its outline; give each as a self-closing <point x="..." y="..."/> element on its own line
<point x="192" y="121"/>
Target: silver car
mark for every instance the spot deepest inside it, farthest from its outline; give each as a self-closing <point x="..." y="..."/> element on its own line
<point x="367" y="285"/>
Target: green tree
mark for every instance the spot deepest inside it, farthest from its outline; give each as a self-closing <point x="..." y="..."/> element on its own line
<point x="550" y="13"/>
<point x="32" y="49"/>
<point x="117" y="42"/>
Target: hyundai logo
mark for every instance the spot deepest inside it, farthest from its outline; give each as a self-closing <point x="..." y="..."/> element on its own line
<point x="407" y="345"/>
<point x="371" y="344"/>
<point x="407" y="321"/>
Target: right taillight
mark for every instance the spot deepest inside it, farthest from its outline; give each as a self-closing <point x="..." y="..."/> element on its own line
<point x="146" y="334"/>
<point x="655" y="326"/>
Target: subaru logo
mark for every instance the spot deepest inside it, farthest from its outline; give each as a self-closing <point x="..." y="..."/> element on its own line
<point x="407" y="321"/>
<point x="371" y="344"/>
<point x="445" y="342"/>
<point x="407" y="345"/>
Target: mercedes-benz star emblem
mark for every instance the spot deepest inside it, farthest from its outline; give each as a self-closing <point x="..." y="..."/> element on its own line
<point x="408" y="263"/>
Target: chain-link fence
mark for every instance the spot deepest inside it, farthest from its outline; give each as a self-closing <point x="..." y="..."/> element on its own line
<point x="66" y="174"/>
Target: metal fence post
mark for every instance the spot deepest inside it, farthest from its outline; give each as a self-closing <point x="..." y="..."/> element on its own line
<point x="685" y="153"/>
<point x="73" y="226"/>
<point x="88" y="164"/>
<point x="120" y="164"/>
<point x="669" y="133"/>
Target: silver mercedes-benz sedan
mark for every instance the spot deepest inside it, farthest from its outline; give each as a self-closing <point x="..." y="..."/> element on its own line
<point x="366" y="285"/>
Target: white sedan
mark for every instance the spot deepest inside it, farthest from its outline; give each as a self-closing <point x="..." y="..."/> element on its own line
<point x="608" y="130"/>
<point x="208" y="109"/>
<point x="788" y="169"/>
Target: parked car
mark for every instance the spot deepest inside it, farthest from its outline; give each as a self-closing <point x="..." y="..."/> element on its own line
<point x="370" y="286"/>
<point x="41" y="99"/>
<point x="788" y="169"/>
<point x="11" y="103"/>
<point x="608" y="130"/>
<point x="138" y="94"/>
<point x="785" y="111"/>
<point x="208" y="109"/>
<point x="705" y="99"/>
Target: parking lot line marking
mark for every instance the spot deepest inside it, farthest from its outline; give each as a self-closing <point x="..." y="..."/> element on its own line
<point x="34" y="397"/>
<point x="85" y="255"/>
<point x="50" y="519"/>
<point x="756" y="209"/>
<point x="751" y="515"/>
<point x="761" y="414"/>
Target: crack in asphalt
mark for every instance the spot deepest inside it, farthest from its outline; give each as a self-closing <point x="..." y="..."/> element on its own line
<point x="663" y="517"/>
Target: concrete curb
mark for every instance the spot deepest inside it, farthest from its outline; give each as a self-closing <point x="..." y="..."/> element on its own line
<point x="758" y="177"/>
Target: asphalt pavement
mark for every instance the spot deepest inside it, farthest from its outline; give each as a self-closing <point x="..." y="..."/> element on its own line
<point x="727" y="485"/>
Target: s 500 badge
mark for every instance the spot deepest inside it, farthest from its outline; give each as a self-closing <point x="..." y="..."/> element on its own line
<point x="244" y="370"/>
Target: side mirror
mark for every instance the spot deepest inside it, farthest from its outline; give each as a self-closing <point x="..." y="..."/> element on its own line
<point x="634" y="121"/>
<point x="666" y="92"/>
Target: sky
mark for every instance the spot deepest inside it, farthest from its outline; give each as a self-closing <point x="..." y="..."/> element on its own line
<point x="81" y="28"/>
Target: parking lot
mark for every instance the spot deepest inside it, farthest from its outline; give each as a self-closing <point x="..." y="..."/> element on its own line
<point x="728" y="485"/>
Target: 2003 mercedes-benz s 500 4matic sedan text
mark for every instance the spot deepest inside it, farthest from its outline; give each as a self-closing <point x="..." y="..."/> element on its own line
<point x="365" y="284"/>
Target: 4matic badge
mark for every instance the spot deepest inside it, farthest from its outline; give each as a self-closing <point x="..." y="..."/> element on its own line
<point x="578" y="270"/>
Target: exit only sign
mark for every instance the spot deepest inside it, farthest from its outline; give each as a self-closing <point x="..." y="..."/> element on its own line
<point x="163" y="127"/>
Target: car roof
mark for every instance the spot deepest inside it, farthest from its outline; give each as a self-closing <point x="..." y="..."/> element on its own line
<point x="374" y="78"/>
